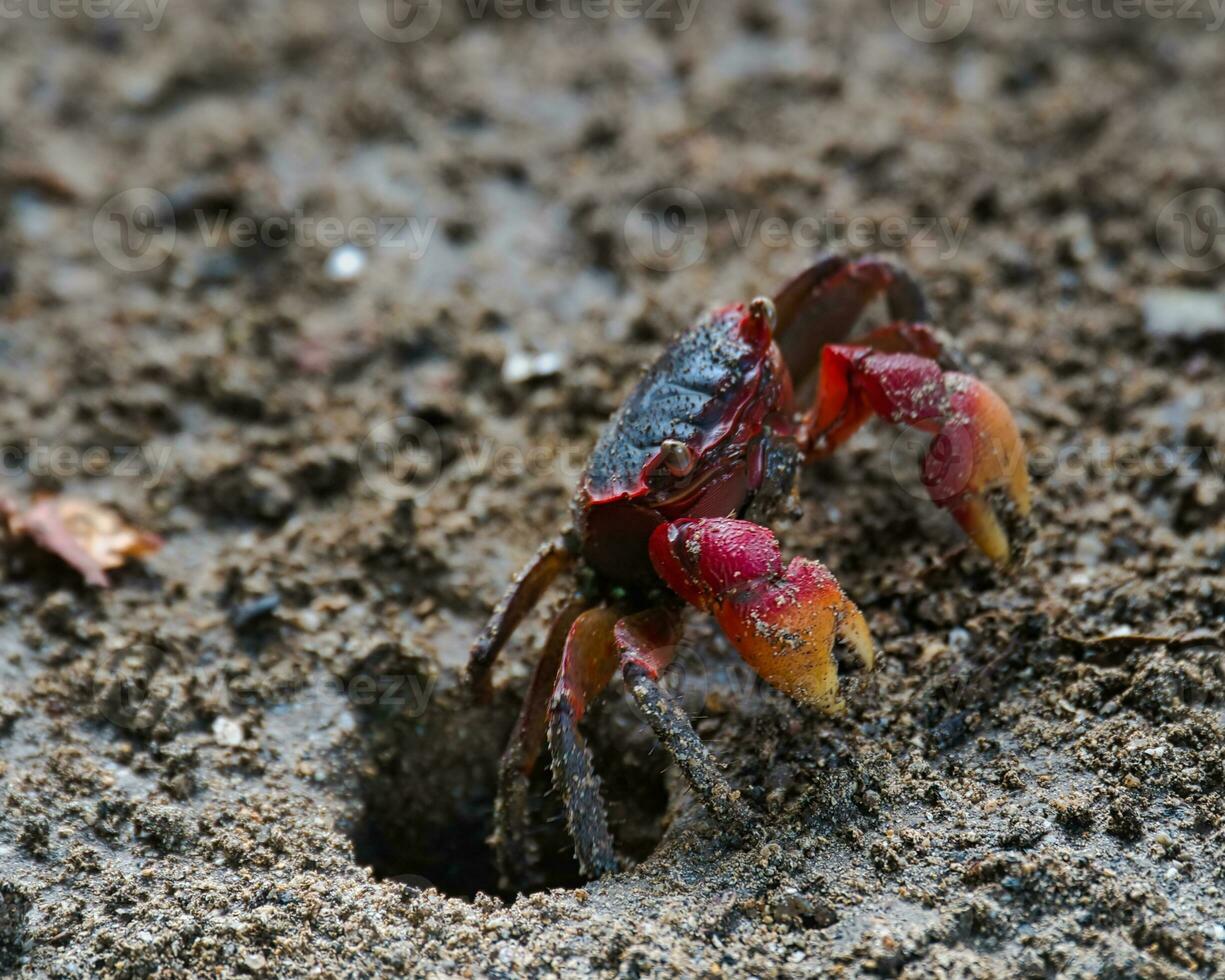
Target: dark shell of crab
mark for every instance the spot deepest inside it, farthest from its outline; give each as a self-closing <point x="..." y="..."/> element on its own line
<point x="687" y="442"/>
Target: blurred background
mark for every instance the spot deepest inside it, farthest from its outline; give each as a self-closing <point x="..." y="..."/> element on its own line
<point x="334" y="297"/>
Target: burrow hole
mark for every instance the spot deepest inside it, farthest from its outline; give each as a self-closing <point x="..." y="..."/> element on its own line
<point x="430" y="778"/>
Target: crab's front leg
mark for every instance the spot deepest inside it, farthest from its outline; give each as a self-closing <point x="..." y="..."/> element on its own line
<point x="647" y="644"/>
<point x="783" y="619"/>
<point x="588" y="663"/>
<point x="975" y="467"/>
<point x="510" y="838"/>
<point x="824" y="302"/>
<point x="521" y="597"/>
<point x="643" y="645"/>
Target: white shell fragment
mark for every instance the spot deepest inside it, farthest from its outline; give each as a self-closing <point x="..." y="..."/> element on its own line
<point x="345" y="263"/>
<point x="521" y="366"/>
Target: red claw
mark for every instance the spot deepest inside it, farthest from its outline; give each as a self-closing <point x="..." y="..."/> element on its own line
<point x="704" y="560"/>
<point x="783" y="621"/>
<point x="977" y="454"/>
<point x="977" y="451"/>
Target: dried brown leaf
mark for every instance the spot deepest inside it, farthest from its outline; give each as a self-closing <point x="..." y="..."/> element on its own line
<point x="88" y="536"/>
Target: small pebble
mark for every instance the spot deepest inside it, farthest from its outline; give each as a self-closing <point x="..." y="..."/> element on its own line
<point x="1185" y="314"/>
<point x="1076" y="241"/>
<point x="345" y="263"/>
<point x="521" y="366"/>
<point x="227" y="732"/>
<point x="253" y="610"/>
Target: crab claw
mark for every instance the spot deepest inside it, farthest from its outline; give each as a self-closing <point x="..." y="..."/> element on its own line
<point x="783" y="620"/>
<point x="975" y="467"/>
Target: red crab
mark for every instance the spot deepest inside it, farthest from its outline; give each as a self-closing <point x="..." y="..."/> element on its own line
<point x="705" y="448"/>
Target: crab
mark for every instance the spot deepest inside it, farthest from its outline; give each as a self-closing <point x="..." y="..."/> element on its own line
<point x="671" y="511"/>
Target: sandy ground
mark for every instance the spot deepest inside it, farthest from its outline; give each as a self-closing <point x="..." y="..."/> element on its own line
<point x="250" y="756"/>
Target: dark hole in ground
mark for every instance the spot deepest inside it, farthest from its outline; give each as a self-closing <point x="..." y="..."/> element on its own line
<point x="430" y="782"/>
<point x="14" y="911"/>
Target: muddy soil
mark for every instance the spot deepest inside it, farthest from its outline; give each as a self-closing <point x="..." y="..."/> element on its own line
<point x="252" y="755"/>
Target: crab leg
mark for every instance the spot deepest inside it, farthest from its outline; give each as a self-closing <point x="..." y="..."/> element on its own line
<point x="644" y="645"/>
<point x="520" y="598"/>
<point x="976" y="460"/>
<point x="783" y="620"/>
<point x="523" y="750"/>
<point x="587" y="665"/>
<point x="822" y="304"/>
<point x="647" y="645"/>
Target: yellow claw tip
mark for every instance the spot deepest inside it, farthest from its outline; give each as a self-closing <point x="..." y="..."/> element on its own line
<point x="982" y="477"/>
<point x="854" y="632"/>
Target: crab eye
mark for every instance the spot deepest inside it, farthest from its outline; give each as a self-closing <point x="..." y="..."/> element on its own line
<point x="677" y="456"/>
<point x="763" y="307"/>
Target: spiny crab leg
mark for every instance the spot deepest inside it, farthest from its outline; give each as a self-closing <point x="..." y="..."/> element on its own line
<point x="975" y="467"/>
<point x="783" y="620"/>
<point x="647" y="645"/>
<point x="643" y="645"/>
<point x="520" y="598"/>
<point x="822" y="304"/>
<point x="510" y="840"/>
<point x="588" y="664"/>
